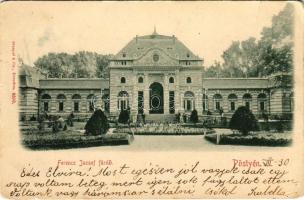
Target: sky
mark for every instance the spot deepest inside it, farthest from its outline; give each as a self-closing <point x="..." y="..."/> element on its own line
<point x="206" y="28"/>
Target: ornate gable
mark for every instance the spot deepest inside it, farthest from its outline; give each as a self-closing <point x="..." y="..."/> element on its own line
<point x="155" y="57"/>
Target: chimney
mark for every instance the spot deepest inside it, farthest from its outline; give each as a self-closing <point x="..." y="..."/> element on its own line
<point x="136" y="38"/>
<point x="173" y="37"/>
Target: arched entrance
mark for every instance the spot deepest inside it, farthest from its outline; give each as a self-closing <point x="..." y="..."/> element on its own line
<point x="156" y="98"/>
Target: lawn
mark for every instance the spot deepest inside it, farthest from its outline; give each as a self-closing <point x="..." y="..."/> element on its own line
<point x="259" y="138"/>
<point x="72" y="138"/>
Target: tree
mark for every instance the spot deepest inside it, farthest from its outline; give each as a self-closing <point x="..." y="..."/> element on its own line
<point x="243" y="120"/>
<point x="272" y="54"/>
<point x="194" y="116"/>
<point x="97" y="124"/>
<point x="123" y="117"/>
<point x="85" y="64"/>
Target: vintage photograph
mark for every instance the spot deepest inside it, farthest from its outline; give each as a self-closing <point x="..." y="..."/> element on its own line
<point x="196" y="77"/>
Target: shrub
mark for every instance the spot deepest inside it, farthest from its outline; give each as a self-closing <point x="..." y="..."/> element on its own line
<point x="193" y="116"/>
<point x="243" y="120"/>
<point x="97" y="124"/>
<point x="124" y="117"/>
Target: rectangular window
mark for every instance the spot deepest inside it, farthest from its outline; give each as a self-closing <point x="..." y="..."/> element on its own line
<point x="46" y="106"/>
<point x="262" y="106"/>
<point x="60" y="106"/>
<point x="188" y="105"/>
<point x="76" y="106"/>
<point x="232" y="105"/>
<point x="171" y="102"/>
<point x="217" y="105"/>
<point x="247" y="104"/>
<point x="91" y="106"/>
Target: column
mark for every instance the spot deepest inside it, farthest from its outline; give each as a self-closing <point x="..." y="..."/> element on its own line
<point x="199" y="101"/>
<point x="146" y="94"/>
<point x="177" y="99"/>
<point x="166" y="95"/>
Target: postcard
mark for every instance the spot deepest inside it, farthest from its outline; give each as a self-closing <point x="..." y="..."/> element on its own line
<point x="151" y="100"/>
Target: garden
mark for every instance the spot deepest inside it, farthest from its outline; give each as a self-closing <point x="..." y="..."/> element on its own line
<point x="164" y="129"/>
<point x="247" y="131"/>
<point x="51" y="132"/>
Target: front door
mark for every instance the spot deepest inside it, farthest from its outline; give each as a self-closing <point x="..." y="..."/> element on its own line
<point x="156" y="98"/>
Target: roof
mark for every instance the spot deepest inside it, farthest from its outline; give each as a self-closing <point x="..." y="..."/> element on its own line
<point x="142" y="44"/>
<point x="80" y="83"/>
<point x="29" y="76"/>
<point x="27" y="70"/>
<point x="235" y="83"/>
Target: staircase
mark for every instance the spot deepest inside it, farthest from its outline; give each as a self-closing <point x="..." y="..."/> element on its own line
<point x="163" y="118"/>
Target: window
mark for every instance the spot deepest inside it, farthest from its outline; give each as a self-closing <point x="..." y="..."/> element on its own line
<point x="262" y="106"/>
<point x="61" y="98"/>
<point x="46" y="106"/>
<point x="247" y="104"/>
<point x="122" y="80"/>
<point x="124" y="62"/>
<point x="106" y="102"/>
<point x="217" y="105"/>
<point x="189" y="101"/>
<point x="122" y="100"/>
<point x="247" y="100"/>
<point x="60" y="106"/>
<point x="90" y="100"/>
<point x="76" y="99"/>
<point x="262" y="101"/>
<point x="232" y="106"/>
<point x="123" y="55"/>
<point x="76" y="106"/>
<point x="45" y="99"/>
<point x="217" y="98"/>
<point x="140" y="80"/>
<point x="233" y="99"/>
<point x="171" y="80"/>
<point x="188" y="80"/>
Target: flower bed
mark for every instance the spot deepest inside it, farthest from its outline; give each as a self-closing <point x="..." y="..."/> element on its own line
<point x="72" y="139"/>
<point x="162" y="129"/>
<point x="255" y="139"/>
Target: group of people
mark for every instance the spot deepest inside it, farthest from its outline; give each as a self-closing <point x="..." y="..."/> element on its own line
<point x="56" y="122"/>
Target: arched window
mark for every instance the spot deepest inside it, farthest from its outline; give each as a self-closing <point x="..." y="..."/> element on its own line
<point x="140" y="80"/>
<point x="217" y="98"/>
<point x="247" y="98"/>
<point x="189" y="101"/>
<point x="171" y="80"/>
<point x="122" y="100"/>
<point x="106" y="102"/>
<point x="61" y="98"/>
<point x="45" y="101"/>
<point x="76" y="101"/>
<point x="90" y="102"/>
<point x="122" y="80"/>
<point x="262" y="99"/>
<point x="233" y="101"/>
<point x="205" y="102"/>
<point x="188" y="80"/>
